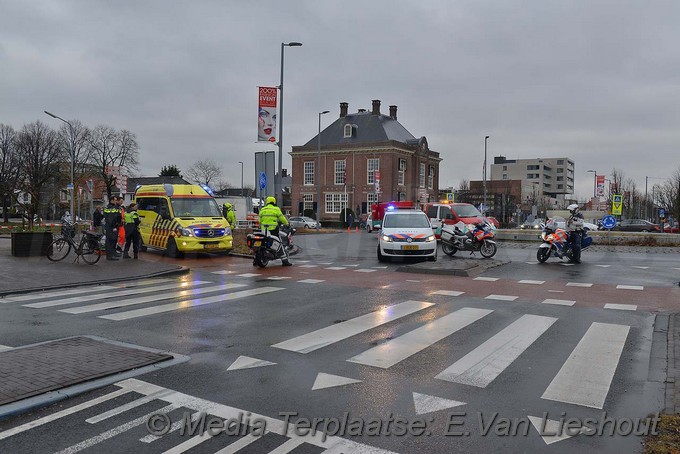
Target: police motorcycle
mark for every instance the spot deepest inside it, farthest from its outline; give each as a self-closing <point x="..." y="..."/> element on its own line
<point x="267" y="247"/>
<point x="557" y="242"/>
<point x="469" y="237"/>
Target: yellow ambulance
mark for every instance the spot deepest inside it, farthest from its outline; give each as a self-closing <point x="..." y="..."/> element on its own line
<point x="179" y="218"/>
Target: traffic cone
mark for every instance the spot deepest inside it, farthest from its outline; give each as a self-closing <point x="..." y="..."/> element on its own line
<point x="357" y="229"/>
<point x="347" y="229"/>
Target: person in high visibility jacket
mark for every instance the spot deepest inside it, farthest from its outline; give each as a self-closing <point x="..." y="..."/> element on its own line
<point x="132" y="235"/>
<point x="228" y="213"/>
<point x="270" y="218"/>
<point x="112" y="223"/>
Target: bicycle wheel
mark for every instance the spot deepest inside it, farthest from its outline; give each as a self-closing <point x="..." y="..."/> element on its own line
<point x="58" y="249"/>
<point x="90" y="251"/>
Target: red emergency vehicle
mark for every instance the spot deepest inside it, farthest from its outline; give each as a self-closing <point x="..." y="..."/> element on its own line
<point x="378" y="211"/>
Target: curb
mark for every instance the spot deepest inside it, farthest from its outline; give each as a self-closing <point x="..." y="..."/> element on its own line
<point x="51" y="397"/>
<point x="181" y="270"/>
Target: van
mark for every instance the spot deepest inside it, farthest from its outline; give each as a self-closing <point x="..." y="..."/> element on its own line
<point x="180" y="218"/>
<point x="451" y="213"/>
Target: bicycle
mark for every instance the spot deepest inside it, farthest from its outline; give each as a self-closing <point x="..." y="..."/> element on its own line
<point x="88" y="248"/>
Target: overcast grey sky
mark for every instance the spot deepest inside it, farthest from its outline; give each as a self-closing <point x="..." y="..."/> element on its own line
<point x="597" y="80"/>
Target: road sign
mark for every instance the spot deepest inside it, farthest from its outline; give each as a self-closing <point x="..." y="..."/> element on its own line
<point x="263" y="180"/>
<point x="449" y="196"/>
<point x="662" y="213"/>
<point x="69" y="186"/>
<point x="608" y="222"/>
<point x="617" y="204"/>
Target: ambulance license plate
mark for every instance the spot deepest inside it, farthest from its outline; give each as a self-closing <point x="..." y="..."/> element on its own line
<point x="410" y="247"/>
<point x="211" y="245"/>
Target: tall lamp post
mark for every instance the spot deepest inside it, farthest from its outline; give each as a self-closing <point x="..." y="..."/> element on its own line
<point x="73" y="156"/>
<point x="484" y="207"/>
<point x="318" y="173"/>
<point x="279" y="186"/>
<point x="241" y="162"/>
<point x="595" y="188"/>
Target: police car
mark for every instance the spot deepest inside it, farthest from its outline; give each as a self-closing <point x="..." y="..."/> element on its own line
<point x="406" y="233"/>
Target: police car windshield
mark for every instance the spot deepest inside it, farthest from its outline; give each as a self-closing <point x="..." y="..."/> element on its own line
<point x="466" y="211"/>
<point x="195" y="208"/>
<point x="413" y="221"/>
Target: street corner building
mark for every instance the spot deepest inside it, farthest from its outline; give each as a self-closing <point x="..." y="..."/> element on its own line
<point x="362" y="158"/>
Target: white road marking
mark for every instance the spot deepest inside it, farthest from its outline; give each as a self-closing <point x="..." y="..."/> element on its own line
<point x="630" y="287"/>
<point x="579" y="284"/>
<point x="526" y="281"/>
<point x="424" y="403"/>
<point x="559" y="302"/>
<point x="277" y="278"/>
<point x="334" y="333"/>
<point x="308" y="266"/>
<point x="621" y="307"/>
<point x="356" y="264"/>
<point x="486" y="279"/>
<point x="330" y="381"/>
<point x="4" y="348"/>
<point x="175" y="426"/>
<point x="603" y="266"/>
<point x="288" y="446"/>
<point x="149" y="299"/>
<point x="105" y="295"/>
<point x="65" y="412"/>
<point x="128" y="406"/>
<point x="384" y="267"/>
<point x="501" y="297"/>
<point x="325" y="263"/>
<point x="365" y="270"/>
<point x="398" y="349"/>
<point x="115" y="431"/>
<point x="311" y="281"/>
<point x="531" y="263"/>
<point x="336" y="268"/>
<point x="483" y="364"/>
<point x="189" y="303"/>
<point x="224" y="272"/>
<point x="43" y="295"/>
<point x="248" y="275"/>
<point x="239" y="444"/>
<point x="555" y="291"/>
<point x="412" y="280"/>
<point x="448" y="293"/>
<point x="190" y="443"/>
<point x="549" y="427"/>
<point x="301" y="261"/>
<point x="586" y="376"/>
<point x="641" y="267"/>
<point x="566" y="264"/>
<point x="247" y="362"/>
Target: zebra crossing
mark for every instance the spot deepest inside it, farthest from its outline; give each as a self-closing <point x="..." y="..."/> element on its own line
<point x="594" y="360"/>
<point x="128" y="423"/>
<point x="138" y="299"/>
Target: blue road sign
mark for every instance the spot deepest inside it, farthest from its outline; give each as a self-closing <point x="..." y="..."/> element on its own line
<point x="662" y="213"/>
<point x="609" y="222"/>
<point x="263" y="180"/>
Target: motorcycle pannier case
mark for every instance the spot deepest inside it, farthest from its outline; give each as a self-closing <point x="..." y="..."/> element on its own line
<point x="255" y="240"/>
<point x="447" y="234"/>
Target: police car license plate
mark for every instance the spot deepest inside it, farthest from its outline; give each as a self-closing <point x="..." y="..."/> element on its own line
<point x="410" y="247"/>
<point x="257" y="244"/>
<point x="211" y="245"/>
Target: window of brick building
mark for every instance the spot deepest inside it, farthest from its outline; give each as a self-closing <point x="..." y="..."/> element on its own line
<point x="372" y="166"/>
<point x="308" y="200"/>
<point x="402" y="172"/>
<point x="430" y="178"/>
<point x="309" y="173"/>
<point x="421" y="182"/>
<point x="340" y="172"/>
<point x="335" y="202"/>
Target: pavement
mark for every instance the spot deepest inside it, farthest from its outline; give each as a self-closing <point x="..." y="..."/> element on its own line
<point x="61" y="363"/>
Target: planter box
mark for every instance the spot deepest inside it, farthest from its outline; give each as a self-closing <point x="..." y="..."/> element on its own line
<point x="30" y="244"/>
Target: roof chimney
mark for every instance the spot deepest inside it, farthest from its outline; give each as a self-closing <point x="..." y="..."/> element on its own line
<point x="393" y="112"/>
<point x="343" y="109"/>
<point x="376" y="107"/>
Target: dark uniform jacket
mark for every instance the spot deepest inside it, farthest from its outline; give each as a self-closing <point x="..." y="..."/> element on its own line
<point x="112" y="216"/>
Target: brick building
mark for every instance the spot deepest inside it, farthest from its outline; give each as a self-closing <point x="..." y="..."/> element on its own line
<point x="365" y="157"/>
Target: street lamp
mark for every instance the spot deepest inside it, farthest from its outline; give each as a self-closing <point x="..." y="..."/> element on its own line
<point x="241" y="162"/>
<point x="73" y="156"/>
<point x="318" y="173"/>
<point x="595" y="188"/>
<point x="279" y="188"/>
<point x="646" y="204"/>
<point x="484" y="207"/>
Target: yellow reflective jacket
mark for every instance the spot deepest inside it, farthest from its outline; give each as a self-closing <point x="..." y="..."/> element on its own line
<point x="271" y="216"/>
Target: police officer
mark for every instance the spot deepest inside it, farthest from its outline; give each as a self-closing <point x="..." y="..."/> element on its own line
<point x="132" y="231"/>
<point x="112" y="222"/>
<point x="228" y="213"/>
<point x="270" y="218"/>
<point x="575" y="228"/>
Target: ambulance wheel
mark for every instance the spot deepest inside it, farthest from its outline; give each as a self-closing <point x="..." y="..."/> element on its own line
<point x="172" y="250"/>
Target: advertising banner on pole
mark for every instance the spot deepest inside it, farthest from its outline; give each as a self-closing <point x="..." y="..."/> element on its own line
<point x="266" y="127"/>
<point x="600" y="185"/>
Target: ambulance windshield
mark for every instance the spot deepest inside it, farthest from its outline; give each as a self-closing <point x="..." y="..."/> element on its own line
<point x="195" y="207"/>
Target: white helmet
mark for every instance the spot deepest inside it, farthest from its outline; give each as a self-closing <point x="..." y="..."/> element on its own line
<point x="573" y="208"/>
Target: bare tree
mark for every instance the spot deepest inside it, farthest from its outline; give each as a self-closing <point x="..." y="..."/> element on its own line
<point x="223" y="184"/>
<point x="464" y="185"/>
<point x="204" y="171"/>
<point x="38" y="147"/>
<point x="110" y="148"/>
<point x="667" y="195"/>
<point x="9" y="168"/>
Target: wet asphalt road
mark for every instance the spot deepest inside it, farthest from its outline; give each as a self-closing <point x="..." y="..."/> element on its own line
<point x="510" y="367"/>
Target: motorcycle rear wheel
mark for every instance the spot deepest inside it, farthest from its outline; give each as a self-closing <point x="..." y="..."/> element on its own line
<point x="488" y="250"/>
<point x="542" y="254"/>
<point x="261" y="259"/>
<point x="449" y="249"/>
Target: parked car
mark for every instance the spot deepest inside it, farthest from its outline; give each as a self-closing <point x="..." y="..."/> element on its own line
<point x="494" y="221"/>
<point x="406" y="233"/>
<point x="675" y="228"/>
<point x="536" y="224"/>
<point x="441" y="214"/>
<point x="370" y="225"/>
<point x="302" y="222"/>
<point x="561" y="223"/>
<point x="636" y="225"/>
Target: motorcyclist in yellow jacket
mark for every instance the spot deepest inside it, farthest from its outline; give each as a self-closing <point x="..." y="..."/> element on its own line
<point x="270" y="218"/>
